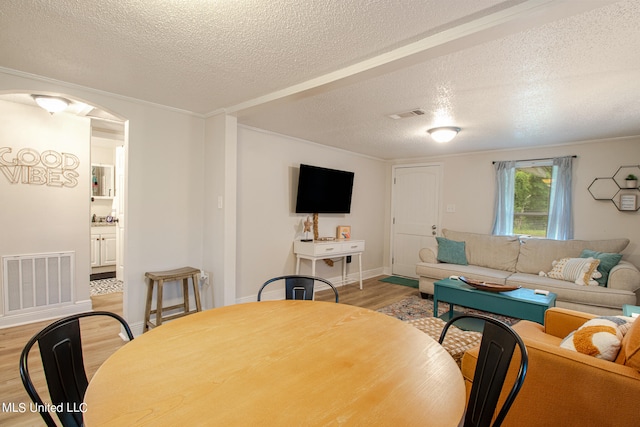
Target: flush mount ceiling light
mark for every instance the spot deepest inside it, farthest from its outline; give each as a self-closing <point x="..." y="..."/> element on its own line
<point x="444" y="134"/>
<point x="53" y="104"/>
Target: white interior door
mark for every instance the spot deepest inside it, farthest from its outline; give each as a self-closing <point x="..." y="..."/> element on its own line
<point x="120" y="189"/>
<point x="416" y="201"/>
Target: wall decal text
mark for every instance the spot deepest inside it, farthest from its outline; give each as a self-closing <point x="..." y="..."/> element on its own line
<point x="29" y="166"/>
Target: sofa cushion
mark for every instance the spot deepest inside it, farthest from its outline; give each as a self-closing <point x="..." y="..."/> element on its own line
<point x="451" y="251"/>
<point x="600" y="337"/>
<point x="630" y="349"/>
<point x="441" y="271"/>
<point x="607" y="262"/>
<point x="596" y="296"/>
<point x="538" y="254"/>
<point x="581" y="271"/>
<point x="499" y="252"/>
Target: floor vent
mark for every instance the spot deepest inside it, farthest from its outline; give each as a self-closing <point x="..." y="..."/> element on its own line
<point x="39" y="280"/>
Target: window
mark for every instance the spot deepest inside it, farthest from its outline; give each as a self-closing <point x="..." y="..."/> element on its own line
<point x="532" y="190"/>
<point x="534" y="198"/>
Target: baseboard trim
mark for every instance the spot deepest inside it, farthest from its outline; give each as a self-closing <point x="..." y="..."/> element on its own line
<point x="44" y="314"/>
<point x="351" y="279"/>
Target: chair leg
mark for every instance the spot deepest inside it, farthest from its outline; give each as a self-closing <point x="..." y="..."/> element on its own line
<point x="147" y="310"/>
<point x="196" y="292"/>
<point x="185" y="293"/>
<point x="159" y="303"/>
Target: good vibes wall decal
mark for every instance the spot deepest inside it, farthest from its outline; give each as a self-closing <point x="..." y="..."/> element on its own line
<point x="29" y="166"/>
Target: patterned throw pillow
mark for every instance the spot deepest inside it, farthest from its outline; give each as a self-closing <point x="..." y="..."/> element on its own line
<point x="599" y="337"/>
<point x="581" y="271"/>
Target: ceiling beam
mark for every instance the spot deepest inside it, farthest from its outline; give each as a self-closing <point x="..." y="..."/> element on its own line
<point x="525" y="15"/>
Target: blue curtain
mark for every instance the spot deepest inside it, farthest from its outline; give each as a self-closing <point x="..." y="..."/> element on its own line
<point x="505" y="192"/>
<point x="560" y="225"/>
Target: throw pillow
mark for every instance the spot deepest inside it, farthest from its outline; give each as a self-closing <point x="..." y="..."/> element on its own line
<point x="607" y="262"/>
<point x="451" y="252"/>
<point x="631" y="346"/>
<point x="581" y="271"/>
<point x="599" y="337"/>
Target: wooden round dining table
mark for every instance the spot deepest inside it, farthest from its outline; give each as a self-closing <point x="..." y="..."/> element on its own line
<point x="279" y="363"/>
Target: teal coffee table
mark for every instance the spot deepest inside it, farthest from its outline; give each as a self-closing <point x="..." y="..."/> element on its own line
<point x="522" y="303"/>
<point x="630" y="310"/>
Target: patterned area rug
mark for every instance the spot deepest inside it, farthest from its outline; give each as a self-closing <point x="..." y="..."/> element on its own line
<point x="418" y="312"/>
<point x="105" y="286"/>
<point x="414" y="307"/>
<point x="456" y="342"/>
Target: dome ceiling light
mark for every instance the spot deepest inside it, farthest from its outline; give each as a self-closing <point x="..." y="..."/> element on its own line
<point x="444" y="134"/>
<point x="53" y="104"/>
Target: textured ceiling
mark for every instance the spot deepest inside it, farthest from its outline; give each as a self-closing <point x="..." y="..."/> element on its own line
<point x="510" y="73"/>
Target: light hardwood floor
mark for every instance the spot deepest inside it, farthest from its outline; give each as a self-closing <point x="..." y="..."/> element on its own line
<point x="100" y="339"/>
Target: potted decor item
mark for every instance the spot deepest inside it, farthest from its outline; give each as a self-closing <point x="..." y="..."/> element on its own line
<point x="632" y="181"/>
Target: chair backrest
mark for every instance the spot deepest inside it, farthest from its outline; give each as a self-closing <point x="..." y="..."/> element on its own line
<point x="298" y="287"/>
<point x="61" y="353"/>
<point x="496" y="351"/>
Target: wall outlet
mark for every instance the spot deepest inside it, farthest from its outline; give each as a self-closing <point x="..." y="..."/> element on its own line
<point x="451" y="208"/>
<point x="203" y="275"/>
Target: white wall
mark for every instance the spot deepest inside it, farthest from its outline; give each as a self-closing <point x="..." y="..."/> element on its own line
<point x="43" y="218"/>
<point x="267" y="225"/>
<point x="220" y="207"/>
<point x="469" y="185"/>
<point x="164" y="216"/>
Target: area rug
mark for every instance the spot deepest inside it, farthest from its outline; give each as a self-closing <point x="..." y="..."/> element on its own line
<point x="105" y="286"/>
<point x="456" y="342"/>
<point x="418" y="312"/>
<point x="404" y="281"/>
<point x="415" y="307"/>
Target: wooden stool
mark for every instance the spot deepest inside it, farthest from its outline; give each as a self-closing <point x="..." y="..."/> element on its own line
<point x="170" y="276"/>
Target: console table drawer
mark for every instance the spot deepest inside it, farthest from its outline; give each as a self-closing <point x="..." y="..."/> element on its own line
<point x="357" y="246"/>
<point x="327" y="249"/>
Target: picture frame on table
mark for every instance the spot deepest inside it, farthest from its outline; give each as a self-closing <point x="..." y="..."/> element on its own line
<point x="343" y="232"/>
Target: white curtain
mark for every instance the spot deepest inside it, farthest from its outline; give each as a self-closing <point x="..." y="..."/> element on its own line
<point x="505" y="192"/>
<point x="560" y="225"/>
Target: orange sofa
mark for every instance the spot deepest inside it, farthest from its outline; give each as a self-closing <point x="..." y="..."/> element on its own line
<point x="566" y="388"/>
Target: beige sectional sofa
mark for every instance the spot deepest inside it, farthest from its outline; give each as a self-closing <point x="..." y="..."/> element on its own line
<point x="518" y="261"/>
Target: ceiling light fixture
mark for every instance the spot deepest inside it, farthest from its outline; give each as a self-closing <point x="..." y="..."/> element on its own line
<point x="53" y="104"/>
<point x="444" y="134"/>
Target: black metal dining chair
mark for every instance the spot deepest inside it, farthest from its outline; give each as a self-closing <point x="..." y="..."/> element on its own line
<point x="298" y="287"/>
<point x="496" y="351"/>
<point x="61" y="353"/>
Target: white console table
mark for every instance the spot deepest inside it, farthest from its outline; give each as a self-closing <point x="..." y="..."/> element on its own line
<point x="321" y="249"/>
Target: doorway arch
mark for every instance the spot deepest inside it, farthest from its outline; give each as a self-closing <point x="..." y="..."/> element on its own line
<point x="79" y="110"/>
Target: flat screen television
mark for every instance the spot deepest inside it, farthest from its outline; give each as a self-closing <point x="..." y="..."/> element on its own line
<point x="322" y="190"/>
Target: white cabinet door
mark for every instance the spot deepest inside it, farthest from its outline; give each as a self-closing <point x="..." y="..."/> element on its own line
<point x="95" y="250"/>
<point x="108" y="250"/>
